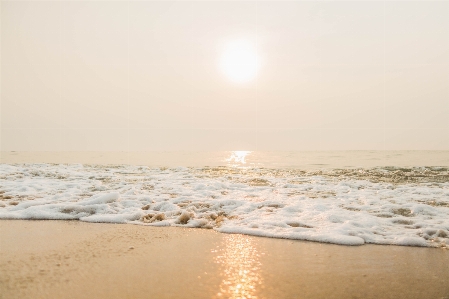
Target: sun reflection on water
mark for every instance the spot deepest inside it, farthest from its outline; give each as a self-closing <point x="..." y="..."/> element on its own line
<point x="240" y="265"/>
<point x="238" y="158"/>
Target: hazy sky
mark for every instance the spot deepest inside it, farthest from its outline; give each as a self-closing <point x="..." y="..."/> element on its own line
<point x="140" y="75"/>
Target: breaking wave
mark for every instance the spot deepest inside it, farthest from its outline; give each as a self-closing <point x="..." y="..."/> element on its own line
<point x="387" y="205"/>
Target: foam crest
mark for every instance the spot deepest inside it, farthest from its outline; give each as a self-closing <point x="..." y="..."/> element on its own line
<point x="400" y="206"/>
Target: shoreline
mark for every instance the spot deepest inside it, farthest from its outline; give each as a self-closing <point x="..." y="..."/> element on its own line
<point x="73" y="259"/>
<point x="350" y="207"/>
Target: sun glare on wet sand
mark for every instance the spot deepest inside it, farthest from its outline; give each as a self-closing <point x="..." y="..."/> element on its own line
<point x="241" y="268"/>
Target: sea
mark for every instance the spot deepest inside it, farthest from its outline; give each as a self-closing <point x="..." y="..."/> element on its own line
<point x="339" y="197"/>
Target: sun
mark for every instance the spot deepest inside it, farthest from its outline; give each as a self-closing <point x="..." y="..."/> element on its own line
<point x="239" y="61"/>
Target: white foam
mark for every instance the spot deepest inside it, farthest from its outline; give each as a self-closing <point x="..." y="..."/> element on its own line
<point x="344" y="209"/>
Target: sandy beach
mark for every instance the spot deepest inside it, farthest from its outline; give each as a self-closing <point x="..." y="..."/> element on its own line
<point x="72" y="259"/>
<point x="224" y="149"/>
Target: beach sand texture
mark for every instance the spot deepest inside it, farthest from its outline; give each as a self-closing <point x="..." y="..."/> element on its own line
<point x="72" y="259"/>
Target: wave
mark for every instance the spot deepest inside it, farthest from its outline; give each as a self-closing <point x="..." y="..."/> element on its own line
<point x="388" y="205"/>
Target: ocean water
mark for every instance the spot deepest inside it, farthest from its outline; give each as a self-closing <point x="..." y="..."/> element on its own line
<point x="349" y="198"/>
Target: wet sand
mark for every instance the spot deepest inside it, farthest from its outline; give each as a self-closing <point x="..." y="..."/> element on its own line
<point x="72" y="259"/>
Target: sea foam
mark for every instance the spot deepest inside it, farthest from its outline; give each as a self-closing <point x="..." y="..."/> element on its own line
<point x="399" y="206"/>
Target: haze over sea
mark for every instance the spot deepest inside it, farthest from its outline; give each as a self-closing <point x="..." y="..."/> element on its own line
<point x="341" y="197"/>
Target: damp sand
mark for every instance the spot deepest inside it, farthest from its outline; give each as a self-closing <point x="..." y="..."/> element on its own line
<point x="73" y="259"/>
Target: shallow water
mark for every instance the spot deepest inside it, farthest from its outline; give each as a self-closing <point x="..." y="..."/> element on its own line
<point x="398" y="204"/>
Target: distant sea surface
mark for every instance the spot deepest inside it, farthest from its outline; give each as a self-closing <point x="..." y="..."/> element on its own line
<point x="341" y="197"/>
<point x="307" y="160"/>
